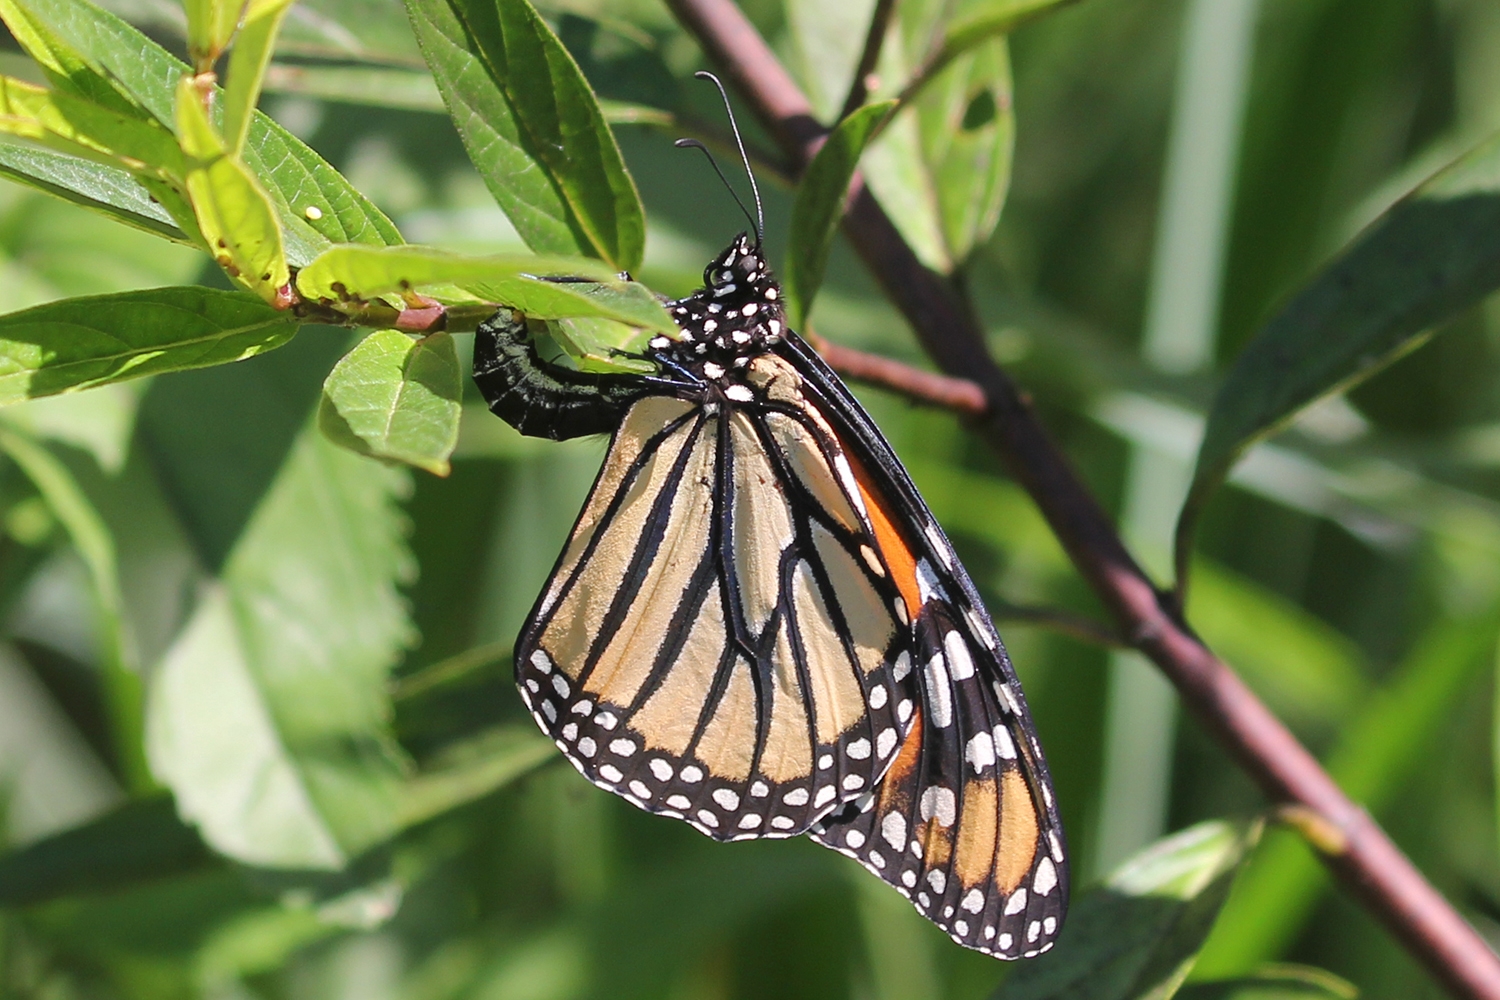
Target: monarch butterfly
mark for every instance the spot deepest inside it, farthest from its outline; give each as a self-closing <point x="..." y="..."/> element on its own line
<point x="757" y="626"/>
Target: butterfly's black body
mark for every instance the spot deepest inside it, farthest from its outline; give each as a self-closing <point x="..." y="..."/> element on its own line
<point x="928" y="771"/>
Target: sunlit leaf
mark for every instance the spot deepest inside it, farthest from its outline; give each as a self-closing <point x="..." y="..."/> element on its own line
<point x="532" y="127"/>
<point x="268" y="718"/>
<point x="1136" y="936"/>
<point x="397" y="398"/>
<point x="377" y="86"/>
<point x="354" y="272"/>
<point x="1432" y="255"/>
<point x="942" y="168"/>
<point x="105" y="55"/>
<point x="77" y="343"/>
<point x="210" y="26"/>
<point x="247" y="67"/>
<point x="819" y="206"/>
<point x="234" y="214"/>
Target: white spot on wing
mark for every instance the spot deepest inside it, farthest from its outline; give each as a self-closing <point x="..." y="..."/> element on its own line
<point x="940" y="802"/>
<point x="540" y="661"/>
<point x="796" y="797"/>
<point x="727" y="798"/>
<point x="980" y="751"/>
<point x="960" y="663"/>
<point x="938" y="880"/>
<point x="893" y="829"/>
<point x="1016" y="903"/>
<point x="878" y="696"/>
<point x="939" y="692"/>
<point x="885" y="742"/>
<point x="902" y="666"/>
<point x="661" y="769"/>
<point x="1003" y="745"/>
<point x="974" y="901"/>
<point x="859" y="749"/>
<point x="692" y="774"/>
<point x="1046" y="878"/>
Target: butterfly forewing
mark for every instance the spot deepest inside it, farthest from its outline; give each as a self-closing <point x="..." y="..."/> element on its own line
<point x="718" y="641"/>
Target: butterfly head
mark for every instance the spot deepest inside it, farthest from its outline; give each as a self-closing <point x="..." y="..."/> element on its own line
<point x="736" y="316"/>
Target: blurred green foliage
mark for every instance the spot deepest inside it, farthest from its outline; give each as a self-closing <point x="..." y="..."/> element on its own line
<point x="257" y="733"/>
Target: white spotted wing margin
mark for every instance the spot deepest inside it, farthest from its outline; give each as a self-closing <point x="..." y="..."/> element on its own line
<point x="965" y="823"/>
<point x="718" y="642"/>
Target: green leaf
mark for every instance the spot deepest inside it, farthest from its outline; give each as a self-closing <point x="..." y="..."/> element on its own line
<point x="210" y="26"/>
<point x="1382" y="746"/>
<point x="1429" y="257"/>
<point x="532" y="127"/>
<point x="820" y="204"/>
<point x="83" y="128"/>
<point x="977" y="22"/>
<point x="397" y="398"/>
<point x="472" y="769"/>
<point x="247" y="67"/>
<point x="269" y="716"/>
<point x="1137" y="935"/>
<point x="372" y="85"/>
<point x="234" y="214"/>
<point x="138" y="842"/>
<point x="941" y="169"/>
<point x="96" y="547"/>
<point x="109" y="190"/>
<point x="356" y="272"/>
<point x="83" y="342"/>
<point x="103" y="55"/>
<point x="1274" y="982"/>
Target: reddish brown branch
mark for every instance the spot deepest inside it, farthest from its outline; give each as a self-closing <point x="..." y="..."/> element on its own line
<point x="1369" y="864"/>
<point x="957" y="394"/>
<point x="860" y="86"/>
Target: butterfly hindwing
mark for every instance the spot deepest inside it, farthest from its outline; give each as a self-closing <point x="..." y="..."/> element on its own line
<point x="717" y="641"/>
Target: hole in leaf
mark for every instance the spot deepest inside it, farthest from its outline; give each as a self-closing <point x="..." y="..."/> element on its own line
<point x="980" y="112"/>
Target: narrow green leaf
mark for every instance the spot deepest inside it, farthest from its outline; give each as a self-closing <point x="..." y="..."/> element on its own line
<point x="96" y="547"/>
<point x="473" y="769"/>
<point x="1136" y="936"/>
<point x="65" y="66"/>
<point x="233" y="211"/>
<point x="820" y="204"/>
<point x="397" y="398"/>
<point x="1382" y="746"/>
<point x="138" y="842"/>
<point x="532" y="127"/>
<point x="83" y="342"/>
<point x="106" y="56"/>
<point x="377" y="86"/>
<point x="358" y="272"/>
<point x="1274" y="982"/>
<point x="247" y="67"/>
<point x="1430" y="256"/>
<point x="210" y="26"/>
<point x="82" y="127"/>
<point x="108" y="190"/>
<point x="269" y="716"/>
<point x="976" y="23"/>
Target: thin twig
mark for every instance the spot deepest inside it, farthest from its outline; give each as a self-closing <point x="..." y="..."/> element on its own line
<point x="922" y="387"/>
<point x="1061" y="621"/>
<point x="1369" y="864"/>
<point x="859" y="87"/>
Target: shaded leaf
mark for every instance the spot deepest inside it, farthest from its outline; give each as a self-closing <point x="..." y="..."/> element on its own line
<point x="96" y="547"/>
<point x="1433" y="254"/>
<point x="109" y="190"/>
<point x="977" y="22"/>
<point x="269" y="716"/>
<point x="1136" y="936"/>
<point x="138" y="842"/>
<point x="819" y="206"/>
<point x="1274" y="982"/>
<point x="1380" y="748"/>
<point x="473" y="769"/>
<point x="397" y="398"/>
<point x="532" y="127"/>
<point x="83" y="342"/>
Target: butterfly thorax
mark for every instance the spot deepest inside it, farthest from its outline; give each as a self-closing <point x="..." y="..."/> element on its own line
<point x="734" y="318"/>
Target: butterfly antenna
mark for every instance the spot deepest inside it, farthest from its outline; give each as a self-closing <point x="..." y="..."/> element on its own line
<point x="695" y="144"/>
<point x="760" y="214"/>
